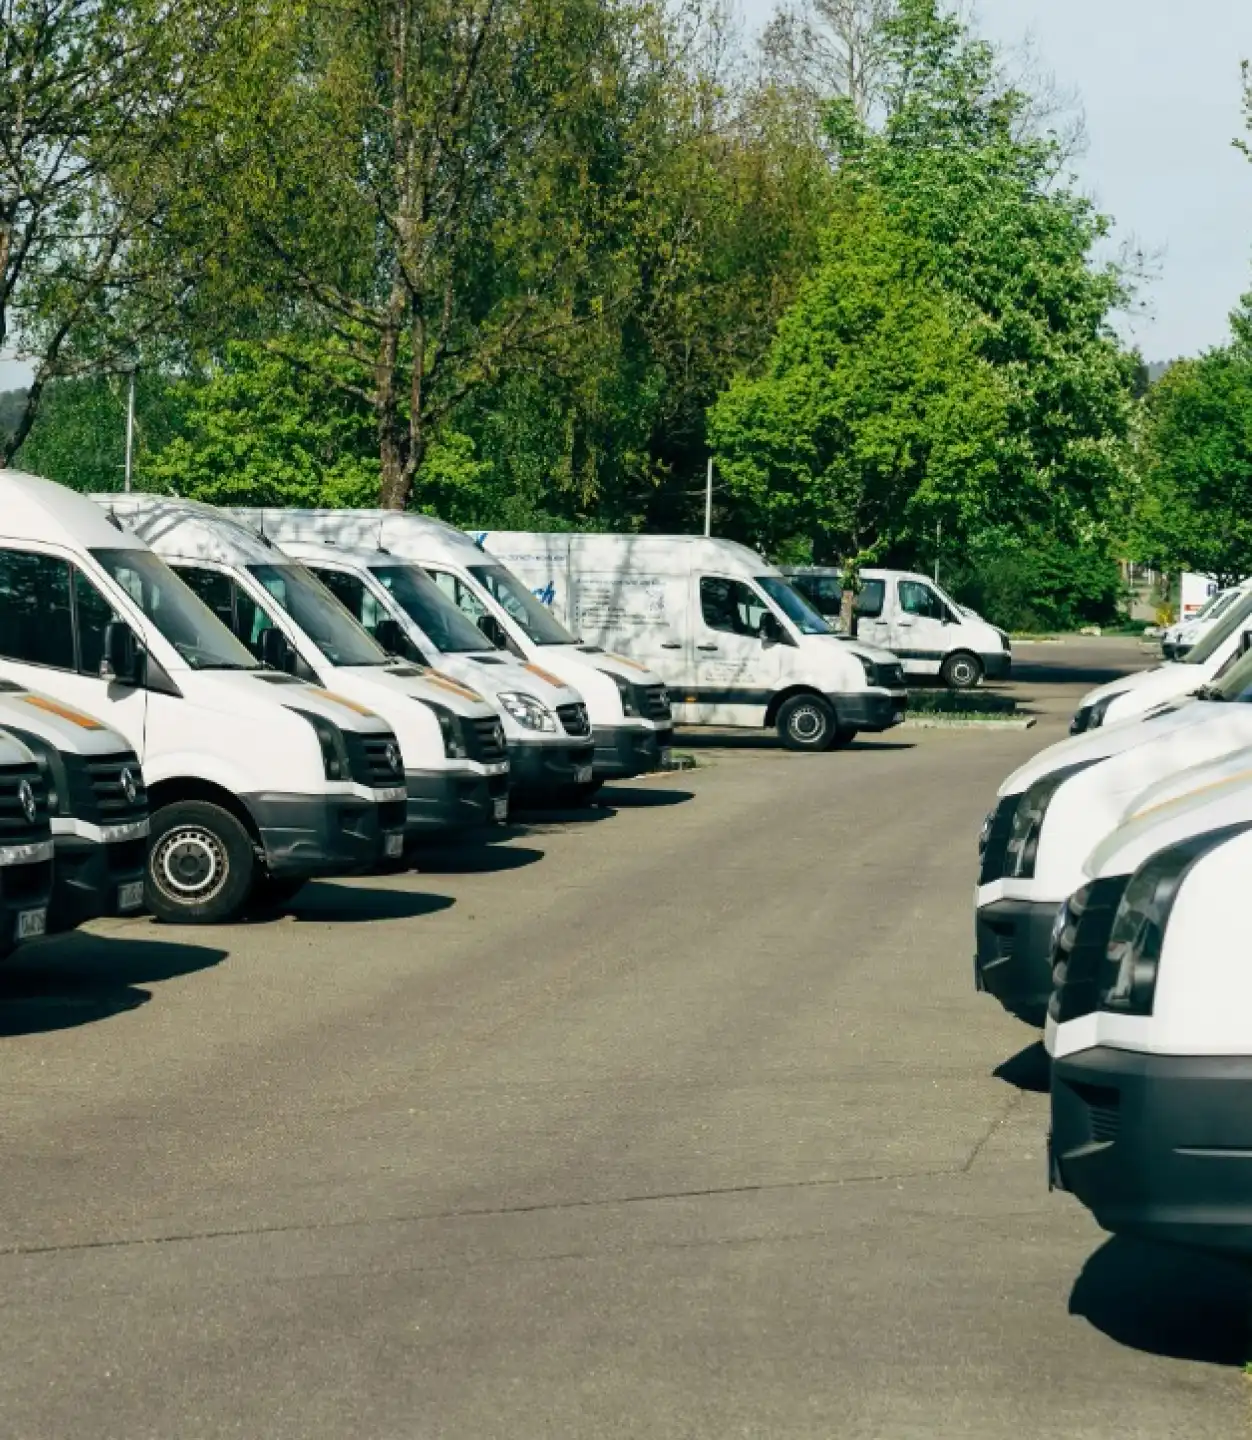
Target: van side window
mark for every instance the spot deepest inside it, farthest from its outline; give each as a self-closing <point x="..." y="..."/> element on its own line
<point x="36" y="623"/>
<point x="921" y="600"/>
<point x="94" y="614"/>
<point x="460" y="594"/>
<point x="730" y="605"/>
<point x="869" y="601"/>
<point x="351" y="592"/>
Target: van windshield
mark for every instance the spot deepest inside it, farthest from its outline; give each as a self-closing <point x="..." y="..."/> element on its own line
<point x="539" y="623"/>
<point x="200" y="638"/>
<point x="443" y="624"/>
<point x="793" y="605"/>
<point x="1233" y="620"/>
<point x="322" y="618"/>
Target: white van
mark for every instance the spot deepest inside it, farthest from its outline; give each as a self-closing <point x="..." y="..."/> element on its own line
<point x="97" y="805"/>
<point x="917" y="620"/>
<point x="1150" y="1024"/>
<point x="631" y="721"/>
<point x="1133" y="695"/>
<point x="25" y="847"/>
<point x="456" y="770"/>
<point x="1179" y="639"/>
<point x="1052" y="811"/>
<point x="254" y="779"/>
<point x="545" y="720"/>
<point x="735" y="644"/>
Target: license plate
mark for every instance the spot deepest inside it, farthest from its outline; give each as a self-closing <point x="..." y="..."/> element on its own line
<point x="500" y="807"/>
<point x="130" y="896"/>
<point x="31" y="924"/>
<point x="665" y="759"/>
<point x="393" y="846"/>
<point x="582" y="774"/>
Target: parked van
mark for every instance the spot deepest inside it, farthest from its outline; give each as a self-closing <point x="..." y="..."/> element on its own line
<point x="97" y="806"/>
<point x="545" y="721"/>
<point x="735" y="644"/>
<point x="1133" y="695"/>
<point x="25" y="847"/>
<point x="917" y="620"/>
<point x="1150" y="1024"/>
<point x="632" y="724"/>
<point x="253" y="778"/>
<point x="456" y="770"/>
<point x="1179" y="639"/>
<point x="1052" y="812"/>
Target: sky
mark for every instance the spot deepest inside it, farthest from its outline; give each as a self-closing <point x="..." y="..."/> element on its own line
<point x="1158" y="82"/>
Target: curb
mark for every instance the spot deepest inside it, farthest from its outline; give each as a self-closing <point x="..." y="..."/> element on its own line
<point x="965" y="722"/>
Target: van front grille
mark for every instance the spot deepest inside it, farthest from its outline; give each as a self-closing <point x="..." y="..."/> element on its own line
<point x="653" y="701"/>
<point x="375" y="760"/>
<point x="484" y="740"/>
<point x="17" y="826"/>
<point x="1079" y="956"/>
<point x="115" y="790"/>
<point x="574" y="719"/>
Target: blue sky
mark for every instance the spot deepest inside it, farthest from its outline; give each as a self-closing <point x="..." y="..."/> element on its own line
<point x="1158" y="81"/>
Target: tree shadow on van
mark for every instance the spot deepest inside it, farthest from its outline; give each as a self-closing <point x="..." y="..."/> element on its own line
<point x="80" y="978"/>
<point x="1173" y="1302"/>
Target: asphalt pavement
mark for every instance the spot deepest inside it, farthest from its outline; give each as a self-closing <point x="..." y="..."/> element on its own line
<point x="678" y="1117"/>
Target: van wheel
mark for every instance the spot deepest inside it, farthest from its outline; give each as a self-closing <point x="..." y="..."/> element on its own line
<point x="806" y="722"/>
<point x="962" y="671"/>
<point x="201" y="865"/>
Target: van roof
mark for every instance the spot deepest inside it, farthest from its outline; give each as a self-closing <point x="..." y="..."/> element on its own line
<point x="32" y="508"/>
<point x="406" y="537"/>
<point x="702" y="551"/>
<point x="189" y="530"/>
<point x="330" y="550"/>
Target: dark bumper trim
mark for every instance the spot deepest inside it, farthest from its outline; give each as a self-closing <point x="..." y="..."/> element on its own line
<point x="1157" y="1145"/>
<point x="625" y="750"/>
<point x="873" y="710"/>
<point x="307" y="835"/>
<point x="88" y="877"/>
<point x="1013" y="959"/>
<point x="452" y="799"/>
<point x="997" y="666"/>
<point x="22" y="888"/>
<point x="536" y="769"/>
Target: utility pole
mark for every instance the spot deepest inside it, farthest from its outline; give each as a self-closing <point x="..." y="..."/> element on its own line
<point x="708" y="500"/>
<point x="938" y="536"/>
<point x="130" y="429"/>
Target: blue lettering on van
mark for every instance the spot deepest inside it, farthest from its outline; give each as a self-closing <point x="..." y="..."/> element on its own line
<point x="480" y="539"/>
<point x="548" y="594"/>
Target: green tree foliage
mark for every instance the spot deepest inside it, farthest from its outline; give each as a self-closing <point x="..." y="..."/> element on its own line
<point x="875" y="418"/>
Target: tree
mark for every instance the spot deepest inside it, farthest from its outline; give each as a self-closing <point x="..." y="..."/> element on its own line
<point x="828" y="48"/>
<point x="875" y="418"/>
<point x="89" y="93"/>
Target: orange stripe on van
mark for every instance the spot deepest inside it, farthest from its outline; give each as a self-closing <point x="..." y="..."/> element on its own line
<point x="622" y="660"/>
<point x="75" y="717"/>
<point x="554" y="680"/>
<point x="345" y="702"/>
<point x="446" y="682"/>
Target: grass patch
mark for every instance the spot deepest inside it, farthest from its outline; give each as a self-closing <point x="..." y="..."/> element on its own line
<point x="984" y="704"/>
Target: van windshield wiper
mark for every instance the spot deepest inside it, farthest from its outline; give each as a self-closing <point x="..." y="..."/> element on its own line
<point x="1211" y="692"/>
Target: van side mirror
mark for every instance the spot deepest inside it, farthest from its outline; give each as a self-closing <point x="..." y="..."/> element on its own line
<point x="121" y="660"/>
<point x="1245" y="642"/>
<point x="770" y="631"/>
<point x="277" y="651"/>
<point x="390" y="635"/>
<point x="494" y="631"/>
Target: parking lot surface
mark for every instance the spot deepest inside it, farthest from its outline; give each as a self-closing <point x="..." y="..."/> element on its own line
<point x="678" y="1117"/>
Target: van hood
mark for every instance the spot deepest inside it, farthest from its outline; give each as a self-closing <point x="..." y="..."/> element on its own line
<point x="67" y="729"/>
<point x="432" y="687"/>
<point x="255" y="692"/>
<point x="1149" y="687"/>
<point x="494" y="672"/>
<point x="877" y="653"/>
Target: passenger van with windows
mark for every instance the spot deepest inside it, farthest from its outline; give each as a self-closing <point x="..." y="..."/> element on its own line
<point x="254" y="779"/>
<point x="632" y="724"/>
<point x="735" y="644"/>
<point x="545" y="721"/>
<point x="456" y="771"/>
<point x="917" y="620"/>
<point x="25" y="847"/>
<point x="97" y="805"/>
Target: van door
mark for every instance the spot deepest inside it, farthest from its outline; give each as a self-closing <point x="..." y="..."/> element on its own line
<point x="919" y="633"/>
<point x="872" y="612"/>
<point x="642" y="616"/>
<point x="52" y="623"/>
<point x="734" y="672"/>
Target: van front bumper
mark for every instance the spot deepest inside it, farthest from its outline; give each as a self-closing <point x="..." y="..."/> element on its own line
<point x="1157" y="1145"/>
<point x="536" y="769"/>
<point x="93" y="880"/>
<point x="625" y="750"/>
<point x="872" y="710"/>
<point x="997" y="666"/>
<point x="303" y="836"/>
<point x="454" y="800"/>
<point x="1013" y="959"/>
<point x="24" y="888"/>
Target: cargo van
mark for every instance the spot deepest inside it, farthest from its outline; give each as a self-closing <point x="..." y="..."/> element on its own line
<point x="631" y="720"/>
<point x="1150" y="1023"/>
<point x="97" y="806"/>
<point x="25" y="847"/>
<point x="1133" y="695"/>
<point x="916" y="619"/>
<point x="545" y="721"/>
<point x="456" y="771"/>
<point x="735" y="644"/>
<point x="254" y="779"/>
<point x="1180" y="639"/>
<point x="1052" y="812"/>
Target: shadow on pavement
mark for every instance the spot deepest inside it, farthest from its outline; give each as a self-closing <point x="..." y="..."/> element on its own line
<point x="322" y="902"/>
<point x="468" y="858"/>
<point x="77" y="979"/>
<point x="646" y="797"/>
<point x="1030" y="1069"/>
<point x="767" y="740"/>
<point x="1178" y="1303"/>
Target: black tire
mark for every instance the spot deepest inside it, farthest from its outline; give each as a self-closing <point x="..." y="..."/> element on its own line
<point x="270" y="893"/>
<point x="806" y="722"/>
<point x="201" y="865"/>
<point x="962" y="671"/>
<point x="845" y="735"/>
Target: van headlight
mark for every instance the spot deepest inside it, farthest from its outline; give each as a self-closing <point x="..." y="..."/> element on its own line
<point x="335" y="762"/>
<point x="450" y="728"/>
<point x="626" y="692"/>
<point x="1032" y="810"/>
<point x="529" y="713"/>
<point x="1097" y="712"/>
